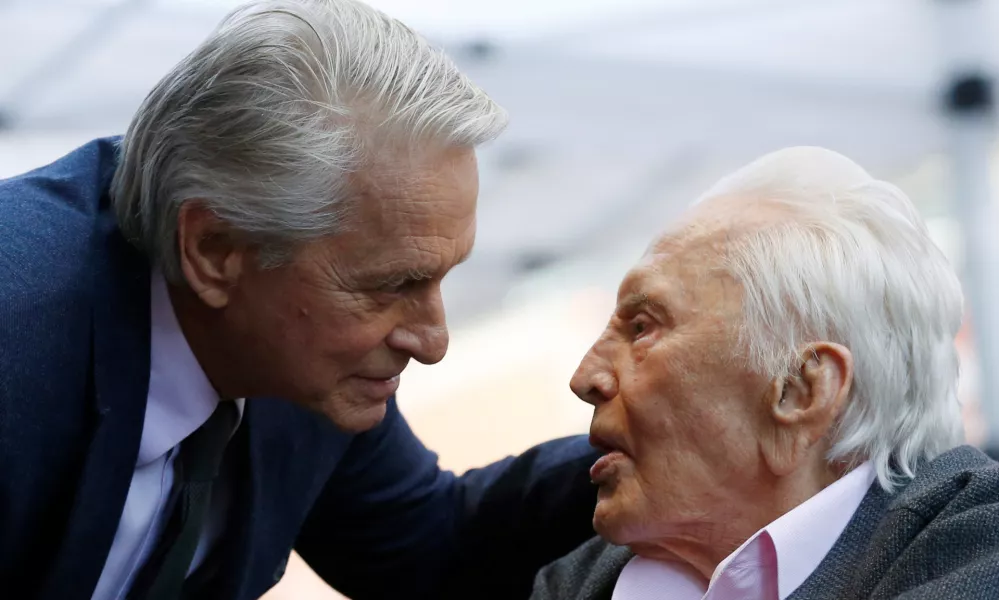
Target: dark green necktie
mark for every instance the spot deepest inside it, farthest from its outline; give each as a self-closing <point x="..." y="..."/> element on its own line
<point x="197" y="467"/>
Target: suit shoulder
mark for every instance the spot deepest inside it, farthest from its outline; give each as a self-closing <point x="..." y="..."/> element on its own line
<point x="958" y="480"/>
<point x="48" y="219"/>
<point x="587" y="573"/>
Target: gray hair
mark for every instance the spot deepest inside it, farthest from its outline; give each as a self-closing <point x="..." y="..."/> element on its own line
<point x="853" y="264"/>
<point x="265" y="120"/>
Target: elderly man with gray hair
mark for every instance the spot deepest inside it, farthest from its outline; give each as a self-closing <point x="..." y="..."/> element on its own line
<point x="203" y="325"/>
<point x="775" y="396"/>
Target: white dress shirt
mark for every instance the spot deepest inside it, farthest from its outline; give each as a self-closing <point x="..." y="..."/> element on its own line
<point x="770" y="565"/>
<point x="180" y="399"/>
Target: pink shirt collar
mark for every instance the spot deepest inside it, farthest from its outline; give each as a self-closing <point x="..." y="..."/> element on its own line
<point x="180" y="397"/>
<point x="771" y="564"/>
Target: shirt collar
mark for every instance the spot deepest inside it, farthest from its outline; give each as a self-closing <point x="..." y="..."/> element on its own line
<point x="180" y="397"/>
<point x="803" y="536"/>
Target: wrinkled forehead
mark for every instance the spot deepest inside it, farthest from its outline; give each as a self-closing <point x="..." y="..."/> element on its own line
<point x="729" y="215"/>
<point x="431" y="190"/>
<point x="684" y="271"/>
<point x="686" y="263"/>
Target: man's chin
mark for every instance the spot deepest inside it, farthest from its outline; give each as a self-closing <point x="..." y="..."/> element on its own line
<point x="610" y="521"/>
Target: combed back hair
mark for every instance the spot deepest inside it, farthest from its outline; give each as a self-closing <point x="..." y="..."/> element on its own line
<point x="853" y="263"/>
<point x="267" y="118"/>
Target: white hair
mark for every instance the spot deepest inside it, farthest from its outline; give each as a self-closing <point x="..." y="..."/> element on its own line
<point x="853" y="263"/>
<point x="264" y="121"/>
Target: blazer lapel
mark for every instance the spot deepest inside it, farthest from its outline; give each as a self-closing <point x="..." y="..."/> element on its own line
<point x="839" y="571"/>
<point x="120" y="374"/>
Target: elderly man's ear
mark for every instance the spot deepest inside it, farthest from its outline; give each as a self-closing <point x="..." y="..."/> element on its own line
<point x="210" y="256"/>
<point x="801" y="409"/>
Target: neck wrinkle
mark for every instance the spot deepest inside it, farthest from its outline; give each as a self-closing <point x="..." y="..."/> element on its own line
<point x="704" y="545"/>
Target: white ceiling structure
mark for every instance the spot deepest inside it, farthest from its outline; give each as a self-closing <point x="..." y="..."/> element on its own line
<point x="621" y="109"/>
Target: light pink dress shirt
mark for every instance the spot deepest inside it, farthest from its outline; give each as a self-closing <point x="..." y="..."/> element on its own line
<point x="768" y="566"/>
<point x="180" y="399"/>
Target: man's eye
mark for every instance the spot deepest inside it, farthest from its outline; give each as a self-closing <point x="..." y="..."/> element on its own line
<point x="640" y="326"/>
<point x="400" y="285"/>
<point x="394" y="287"/>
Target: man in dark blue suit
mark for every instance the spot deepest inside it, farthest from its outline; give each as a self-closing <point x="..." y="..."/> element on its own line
<point x="203" y="324"/>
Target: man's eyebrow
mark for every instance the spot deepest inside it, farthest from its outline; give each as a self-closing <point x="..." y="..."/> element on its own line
<point x="640" y="300"/>
<point x="420" y="273"/>
<point x="398" y="277"/>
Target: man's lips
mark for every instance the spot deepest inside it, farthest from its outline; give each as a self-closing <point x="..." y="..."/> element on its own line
<point x="604" y="443"/>
<point x="605" y="466"/>
<point x="378" y="387"/>
<point x="380" y="377"/>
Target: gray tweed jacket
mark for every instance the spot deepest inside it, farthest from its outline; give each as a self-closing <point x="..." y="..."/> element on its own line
<point x="936" y="538"/>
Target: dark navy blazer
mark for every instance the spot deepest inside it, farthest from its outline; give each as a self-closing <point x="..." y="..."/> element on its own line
<point x="371" y="513"/>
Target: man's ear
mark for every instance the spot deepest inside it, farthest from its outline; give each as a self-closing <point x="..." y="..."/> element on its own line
<point x="211" y="258"/>
<point x="802" y="408"/>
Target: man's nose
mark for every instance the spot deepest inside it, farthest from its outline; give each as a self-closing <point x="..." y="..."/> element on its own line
<point x="424" y="335"/>
<point x="594" y="380"/>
